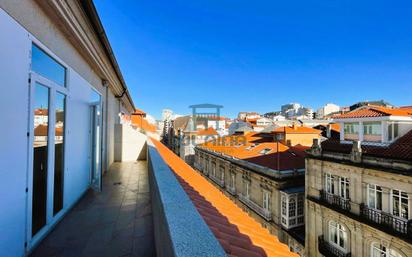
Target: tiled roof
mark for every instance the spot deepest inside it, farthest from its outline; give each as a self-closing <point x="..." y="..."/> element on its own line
<point x="207" y="132"/>
<point x="139" y="112"/>
<point x="238" y="233"/>
<point x="400" y="149"/>
<point x="42" y="130"/>
<point x="252" y="148"/>
<point x="296" y="130"/>
<point x="375" y="111"/>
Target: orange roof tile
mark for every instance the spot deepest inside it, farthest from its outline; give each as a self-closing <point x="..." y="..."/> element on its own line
<point x="376" y="111"/>
<point x="207" y="132"/>
<point x="259" y="150"/>
<point x="296" y="130"/>
<point x="238" y="233"/>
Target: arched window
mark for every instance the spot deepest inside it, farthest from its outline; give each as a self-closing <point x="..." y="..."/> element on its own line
<point x="338" y="235"/>
<point x="379" y="250"/>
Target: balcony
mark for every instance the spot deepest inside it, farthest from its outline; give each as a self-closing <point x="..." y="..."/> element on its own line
<point x="387" y="222"/>
<point x="329" y="250"/>
<point x="115" y="222"/>
<point x="218" y="181"/>
<point x="335" y="201"/>
<point x="255" y="207"/>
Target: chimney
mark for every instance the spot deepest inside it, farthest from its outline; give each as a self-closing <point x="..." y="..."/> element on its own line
<point x="329" y="131"/>
<point x="356" y="154"/>
<point x="294" y="126"/>
<point x="316" y="147"/>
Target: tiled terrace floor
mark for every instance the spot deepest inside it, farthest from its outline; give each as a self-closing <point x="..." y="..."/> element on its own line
<point x="114" y="223"/>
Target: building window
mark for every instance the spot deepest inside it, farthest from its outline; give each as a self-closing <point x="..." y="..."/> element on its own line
<point x="351" y="128"/>
<point x="338" y="235"/>
<point x="379" y="250"/>
<point x="266" y="200"/>
<point x="46" y="66"/>
<point x="393" y="131"/>
<point x="374" y="197"/>
<point x="301" y="204"/>
<point x="372" y="128"/>
<point x="232" y="180"/>
<point x="400" y="204"/>
<point x="247" y="188"/>
<point x="222" y="173"/>
<point x="292" y="209"/>
<point x="214" y="169"/>
<point x="329" y="186"/>
<point x="344" y="187"/>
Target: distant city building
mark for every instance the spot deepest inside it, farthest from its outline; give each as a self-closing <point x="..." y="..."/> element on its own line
<point x="326" y="110"/>
<point x="381" y="103"/>
<point x="248" y="115"/>
<point x="295" y="111"/>
<point x="167" y="114"/>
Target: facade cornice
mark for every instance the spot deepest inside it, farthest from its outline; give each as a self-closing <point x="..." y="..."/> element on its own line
<point x="80" y="31"/>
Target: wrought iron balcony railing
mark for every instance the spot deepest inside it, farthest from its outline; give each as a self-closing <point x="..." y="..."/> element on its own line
<point x="265" y="213"/>
<point x="335" y="200"/>
<point x="387" y="221"/>
<point x="329" y="250"/>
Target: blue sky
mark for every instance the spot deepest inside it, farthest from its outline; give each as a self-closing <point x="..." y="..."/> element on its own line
<point x="258" y="55"/>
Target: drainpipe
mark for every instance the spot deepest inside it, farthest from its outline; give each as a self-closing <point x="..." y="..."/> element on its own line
<point x="106" y="125"/>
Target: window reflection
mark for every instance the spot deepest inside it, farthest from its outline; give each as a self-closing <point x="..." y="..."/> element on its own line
<point x="46" y="66"/>
<point x="60" y="106"/>
<point x="40" y="156"/>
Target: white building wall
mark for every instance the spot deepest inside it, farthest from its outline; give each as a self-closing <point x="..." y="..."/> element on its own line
<point x="15" y="46"/>
<point x="14" y="75"/>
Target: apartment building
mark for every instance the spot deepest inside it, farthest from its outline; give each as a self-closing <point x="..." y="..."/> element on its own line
<point x="62" y="93"/>
<point x="264" y="176"/>
<point x="359" y="186"/>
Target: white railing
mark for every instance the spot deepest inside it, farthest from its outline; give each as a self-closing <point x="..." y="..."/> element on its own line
<point x="255" y="207"/>
<point x="218" y="181"/>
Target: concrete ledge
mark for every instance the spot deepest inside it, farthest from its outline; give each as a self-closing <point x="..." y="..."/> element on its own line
<point x="179" y="229"/>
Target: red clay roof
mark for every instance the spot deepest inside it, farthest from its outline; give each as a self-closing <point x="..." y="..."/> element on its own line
<point x="139" y="112"/>
<point x="400" y="149"/>
<point x="207" y="132"/>
<point x="296" y="130"/>
<point x="251" y="147"/>
<point x="376" y="111"/>
<point x="238" y="233"/>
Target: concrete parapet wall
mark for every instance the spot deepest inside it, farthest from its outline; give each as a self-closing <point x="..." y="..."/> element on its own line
<point x="179" y="229"/>
<point x="129" y="143"/>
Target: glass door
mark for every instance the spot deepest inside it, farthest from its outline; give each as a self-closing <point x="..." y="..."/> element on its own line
<point x="96" y="141"/>
<point x="41" y="102"/>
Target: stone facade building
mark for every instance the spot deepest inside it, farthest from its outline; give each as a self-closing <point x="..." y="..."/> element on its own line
<point x="359" y="187"/>
<point x="264" y="177"/>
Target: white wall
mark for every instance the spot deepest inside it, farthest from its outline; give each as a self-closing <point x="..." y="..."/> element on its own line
<point x="14" y="73"/>
<point x="130" y="143"/>
<point x="15" y="46"/>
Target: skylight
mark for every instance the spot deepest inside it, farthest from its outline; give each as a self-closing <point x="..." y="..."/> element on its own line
<point x="265" y="151"/>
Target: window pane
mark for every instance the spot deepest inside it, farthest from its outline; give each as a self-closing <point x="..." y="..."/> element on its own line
<point x="46" y="66"/>
<point x="40" y="157"/>
<point x="378" y="200"/>
<point x="60" y="105"/>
